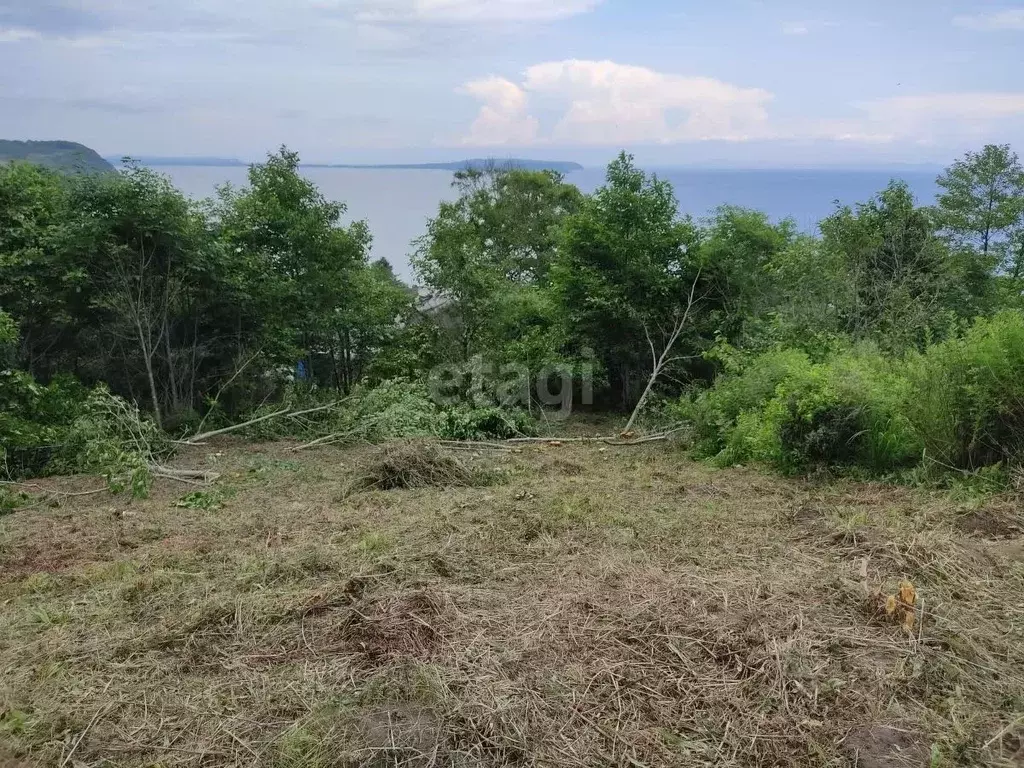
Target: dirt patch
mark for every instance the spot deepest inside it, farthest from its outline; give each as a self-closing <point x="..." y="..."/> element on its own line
<point x="406" y="733"/>
<point x="882" y="746"/>
<point x="990" y="524"/>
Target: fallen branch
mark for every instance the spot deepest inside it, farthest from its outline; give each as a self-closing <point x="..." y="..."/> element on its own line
<point x="184" y="474"/>
<point x="558" y="439"/>
<point x="660" y="362"/>
<point x="615" y="440"/>
<point x="318" y="408"/>
<point x="195" y="439"/>
<point x="473" y="445"/>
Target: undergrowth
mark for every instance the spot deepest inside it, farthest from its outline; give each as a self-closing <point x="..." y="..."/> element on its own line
<point x="954" y="410"/>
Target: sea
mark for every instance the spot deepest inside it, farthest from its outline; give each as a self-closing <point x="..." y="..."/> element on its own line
<point x="397" y="203"/>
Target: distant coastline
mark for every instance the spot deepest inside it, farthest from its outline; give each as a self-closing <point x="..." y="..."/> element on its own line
<point x="561" y="166"/>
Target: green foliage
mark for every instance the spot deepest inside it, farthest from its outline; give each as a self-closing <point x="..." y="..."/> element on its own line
<point x="624" y="272"/>
<point x="485" y="424"/>
<point x="11" y="500"/>
<point x="968" y="402"/>
<point x="871" y="345"/>
<point x="787" y="411"/>
<point x="982" y="198"/>
<point x="206" y="500"/>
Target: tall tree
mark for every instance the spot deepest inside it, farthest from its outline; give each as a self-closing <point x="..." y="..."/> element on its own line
<point x="294" y="260"/>
<point x="499" y="236"/>
<point x="625" y="273"/>
<point x="982" y="198"/>
<point x="905" y="284"/>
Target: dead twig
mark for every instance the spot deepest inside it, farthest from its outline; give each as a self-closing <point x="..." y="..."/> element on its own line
<point x="207" y="435"/>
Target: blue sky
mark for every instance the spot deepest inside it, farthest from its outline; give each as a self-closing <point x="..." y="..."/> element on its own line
<point x="736" y="82"/>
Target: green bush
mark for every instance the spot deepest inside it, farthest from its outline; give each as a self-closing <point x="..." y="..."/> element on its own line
<point x="485" y="424"/>
<point x="784" y="410"/>
<point x="968" y="400"/>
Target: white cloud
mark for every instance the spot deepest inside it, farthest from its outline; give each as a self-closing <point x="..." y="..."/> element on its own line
<point x="471" y="11"/>
<point x="15" y="35"/>
<point x="602" y="103"/>
<point x="972" y="107"/>
<point x="795" y="28"/>
<point x="610" y="103"/>
<point x="503" y="118"/>
<point x="1011" y="18"/>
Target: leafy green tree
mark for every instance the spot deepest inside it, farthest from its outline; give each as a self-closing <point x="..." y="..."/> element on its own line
<point x="906" y="286"/>
<point x="983" y="197"/>
<point x="738" y="248"/>
<point x="293" y="260"/>
<point x="138" y="238"/>
<point x="371" y="322"/>
<point x="40" y="286"/>
<point x="496" y="240"/>
<point x="625" y="272"/>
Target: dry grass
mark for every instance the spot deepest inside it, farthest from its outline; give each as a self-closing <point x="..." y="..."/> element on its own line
<point x="602" y="607"/>
<point x="414" y="464"/>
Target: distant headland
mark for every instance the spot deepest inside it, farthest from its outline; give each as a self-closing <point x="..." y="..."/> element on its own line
<point x="66" y="156"/>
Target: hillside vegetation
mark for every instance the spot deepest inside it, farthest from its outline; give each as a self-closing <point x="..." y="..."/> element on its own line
<point x="57" y="155"/>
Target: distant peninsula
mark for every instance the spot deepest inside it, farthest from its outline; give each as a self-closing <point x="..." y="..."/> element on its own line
<point x="65" y="156"/>
<point x="479" y="163"/>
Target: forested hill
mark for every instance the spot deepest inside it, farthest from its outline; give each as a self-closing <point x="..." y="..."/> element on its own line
<point x="59" y="155"/>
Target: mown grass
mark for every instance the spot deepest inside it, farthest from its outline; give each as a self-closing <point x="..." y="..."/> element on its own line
<point x="596" y="607"/>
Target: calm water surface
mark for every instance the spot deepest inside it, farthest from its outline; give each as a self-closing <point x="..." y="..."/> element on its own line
<point x="397" y="203"/>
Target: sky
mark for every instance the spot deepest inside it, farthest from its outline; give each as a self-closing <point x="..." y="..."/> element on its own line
<point x="734" y="83"/>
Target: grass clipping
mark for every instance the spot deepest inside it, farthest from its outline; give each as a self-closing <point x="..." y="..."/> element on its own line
<point x="415" y="464"/>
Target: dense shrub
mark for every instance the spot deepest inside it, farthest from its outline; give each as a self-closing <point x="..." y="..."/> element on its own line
<point x="968" y="395"/>
<point x="794" y="414"/>
<point x="65" y="428"/>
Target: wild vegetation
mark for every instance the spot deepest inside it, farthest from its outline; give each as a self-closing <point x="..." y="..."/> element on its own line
<point x="493" y="585"/>
<point x="891" y="342"/>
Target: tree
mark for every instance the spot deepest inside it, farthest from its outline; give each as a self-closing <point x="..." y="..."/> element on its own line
<point x="40" y="286"/>
<point x="293" y="262"/>
<point x="138" y="239"/>
<point x="497" y="239"/>
<point x="905" y="284"/>
<point x="982" y="198"/>
<point x="737" y="250"/>
<point x="625" y="270"/>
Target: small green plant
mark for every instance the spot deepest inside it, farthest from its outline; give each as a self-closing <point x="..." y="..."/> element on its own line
<point x="11" y="500"/>
<point x="206" y="500"/>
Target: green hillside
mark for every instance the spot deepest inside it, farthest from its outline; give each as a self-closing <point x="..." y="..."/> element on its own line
<point x="59" y="155"/>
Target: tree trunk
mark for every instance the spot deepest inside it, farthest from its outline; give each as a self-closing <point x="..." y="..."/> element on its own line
<point x="147" y="357"/>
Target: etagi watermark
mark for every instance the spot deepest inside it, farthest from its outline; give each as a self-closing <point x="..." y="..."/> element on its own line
<point x="556" y="388"/>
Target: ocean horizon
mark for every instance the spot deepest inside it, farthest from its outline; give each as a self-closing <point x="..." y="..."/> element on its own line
<point x="397" y="203"/>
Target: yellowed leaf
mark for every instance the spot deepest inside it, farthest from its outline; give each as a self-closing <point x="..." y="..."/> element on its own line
<point x="890" y="605"/>
<point x="907" y="593"/>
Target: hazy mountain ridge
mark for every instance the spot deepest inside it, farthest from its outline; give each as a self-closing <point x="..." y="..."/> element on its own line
<point x="58" y="155"/>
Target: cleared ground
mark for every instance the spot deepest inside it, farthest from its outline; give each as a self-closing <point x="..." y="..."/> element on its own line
<point x="580" y="605"/>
